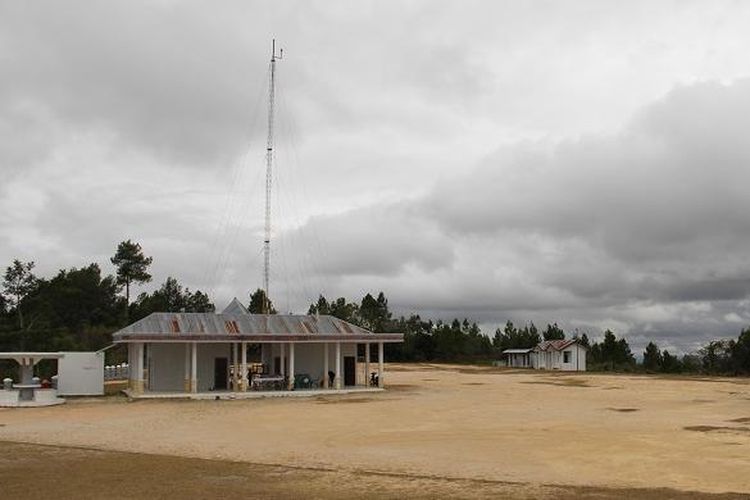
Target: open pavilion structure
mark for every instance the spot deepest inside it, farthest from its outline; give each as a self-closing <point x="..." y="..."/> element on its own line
<point x="237" y="354"/>
<point x="28" y="392"/>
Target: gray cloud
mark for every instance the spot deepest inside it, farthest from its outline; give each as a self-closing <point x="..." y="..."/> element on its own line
<point x="581" y="163"/>
<point x="648" y="225"/>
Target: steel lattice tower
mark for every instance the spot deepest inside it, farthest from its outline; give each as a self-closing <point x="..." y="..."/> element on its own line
<point x="269" y="172"/>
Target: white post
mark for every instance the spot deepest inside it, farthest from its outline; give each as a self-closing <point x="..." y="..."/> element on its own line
<point x="186" y="381"/>
<point x="291" y="366"/>
<point x="139" y="382"/>
<point x="235" y="368"/>
<point x="243" y="371"/>
<point x="337" y="383"/>
<point x="326" y="369"/>
<point x="132" y="350"/>
<point x="194" y="367"/>
<point x="367" y="365"/>
<point x="381" y="370"/>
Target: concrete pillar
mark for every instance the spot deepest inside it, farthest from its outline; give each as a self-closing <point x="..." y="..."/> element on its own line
<point x="326" y="369"/>
<point x="140" y="383"/>
<point x="194" y="367"/>
<point x="235" y="367"/>
<point x="337" y="382"/>
<point x="243" y="368"/>
<point x="291" y="366"/>
<point x="381" y="368"/>
<point x="367" y="365"/>
<point x="186" y="382"/>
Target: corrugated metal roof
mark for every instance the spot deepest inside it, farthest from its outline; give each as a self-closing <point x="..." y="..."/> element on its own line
<point x="556" y="345"/>
<point x="518" y="351"/>
<point x="221" y="324"/>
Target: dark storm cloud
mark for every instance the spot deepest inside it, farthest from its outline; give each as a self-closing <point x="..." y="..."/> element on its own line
<point x="631" y="224"/>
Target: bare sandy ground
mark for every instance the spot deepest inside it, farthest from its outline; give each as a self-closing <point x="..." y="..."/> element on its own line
<point x="446" y="423"/>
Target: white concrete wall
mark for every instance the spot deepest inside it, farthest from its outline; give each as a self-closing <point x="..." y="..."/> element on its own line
<point x="80" y="374"/>
<point x="554" y="360"/>
<point x="167" y="362"/>
<point x="166" y="367"/>
<point x="308" y="358"/>
<point x="207" y="353"/>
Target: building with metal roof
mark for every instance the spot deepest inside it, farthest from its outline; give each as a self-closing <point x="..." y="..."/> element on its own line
<point x="236" y="351"/>
<point x="565" y="355"/>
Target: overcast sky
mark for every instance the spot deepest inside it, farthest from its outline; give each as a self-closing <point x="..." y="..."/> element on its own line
<point x="580" y="162"/>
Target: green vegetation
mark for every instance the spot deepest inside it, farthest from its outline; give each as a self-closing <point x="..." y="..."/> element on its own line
<point x="79" y="308"/>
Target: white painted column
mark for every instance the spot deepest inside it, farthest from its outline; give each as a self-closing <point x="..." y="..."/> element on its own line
<point x="139" y="381"/>
<point x="291" y="366"/>
<point x="337" y="382"/>
<point x="194" y="367"/>
<point x="326" y="369"/>
<point x="235" y="367"/>
<point x="367" y="365"/>
<point x="131" y="366"/>
<point x="186" y="380"/>
<point x="381" y="368"/>
<point x="243" y="368"/>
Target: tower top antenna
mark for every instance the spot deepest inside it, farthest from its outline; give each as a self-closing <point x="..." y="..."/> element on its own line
<point x="274" y="54"/>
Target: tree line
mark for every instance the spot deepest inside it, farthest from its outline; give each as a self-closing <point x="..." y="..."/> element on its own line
<point x="80" y="308"/>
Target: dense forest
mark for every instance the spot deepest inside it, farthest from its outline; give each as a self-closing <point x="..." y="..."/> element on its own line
<point x="79" y="308"/>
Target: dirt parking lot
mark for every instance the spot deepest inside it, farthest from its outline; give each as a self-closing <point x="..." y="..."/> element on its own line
<point x="438" y="431"/>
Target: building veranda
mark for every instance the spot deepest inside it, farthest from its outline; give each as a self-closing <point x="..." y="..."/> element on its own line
<point x="238" y="354"/>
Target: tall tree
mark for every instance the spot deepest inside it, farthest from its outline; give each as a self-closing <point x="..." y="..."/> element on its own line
<point x="669" y="363"/>
<point x="260" y="304"/>
<point x="553" y="332"/>
<point x="132" y="265"/>
<point x="374" y="313"/>
<point x="170" y="297"/>
<point x="652" y="358"/>
<point x="18" y="282"/>
<point x="612" y="353"/>
<point x="514" y="338"/>
<point x="741" y="353"/>
<point x="585" y="340"/>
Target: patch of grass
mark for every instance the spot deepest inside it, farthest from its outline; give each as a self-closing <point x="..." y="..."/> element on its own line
<point x="716" y="428"/>
<point x="562" y="382"/>
<point x="326" y="401"/>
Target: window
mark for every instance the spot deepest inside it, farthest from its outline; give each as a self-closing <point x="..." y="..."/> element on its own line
<point x="566" y="356"/>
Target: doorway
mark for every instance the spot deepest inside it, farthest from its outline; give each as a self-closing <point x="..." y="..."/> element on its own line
<point x="350" y="370"/>
<point x="221" y="373"/>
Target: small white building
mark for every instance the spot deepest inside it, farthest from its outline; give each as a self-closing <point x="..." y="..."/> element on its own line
<point x="518" y="358"/>
<point x="235" y="352"/>
<point x="565" y="355"/>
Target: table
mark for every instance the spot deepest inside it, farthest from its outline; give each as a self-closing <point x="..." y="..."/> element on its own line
<point x="260" y="382"/>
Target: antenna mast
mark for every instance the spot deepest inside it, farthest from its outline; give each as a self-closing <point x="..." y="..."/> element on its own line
<point x="269" y="170"/>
